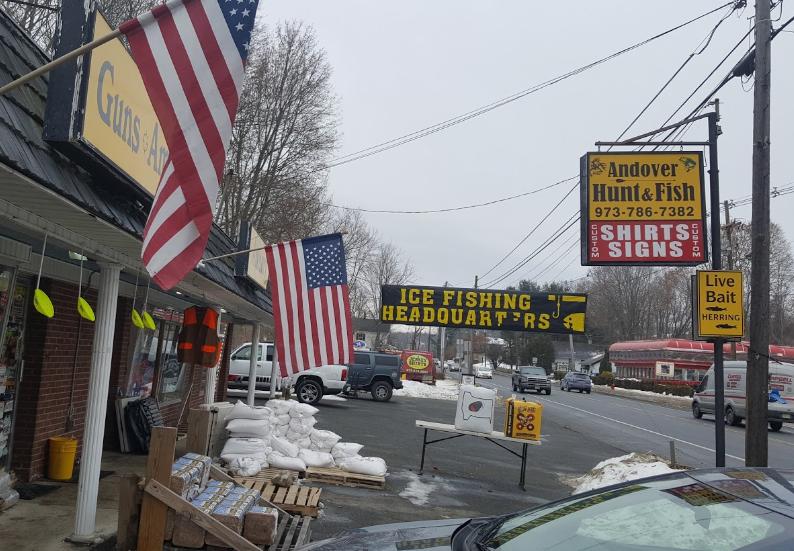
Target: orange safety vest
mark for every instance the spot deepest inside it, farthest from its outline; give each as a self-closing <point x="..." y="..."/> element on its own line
<point x="198" y="341"/>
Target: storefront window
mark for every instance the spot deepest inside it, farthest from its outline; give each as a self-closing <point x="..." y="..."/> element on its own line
<point x="13" y="303"/>
<point x="174" y="376"/>
<point x="143" y="364"/>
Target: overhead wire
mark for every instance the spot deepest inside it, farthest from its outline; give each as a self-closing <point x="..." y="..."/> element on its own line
<point x="453" y="121"/>
<point x="533" y="230"/>
<point x="464" y="207"/>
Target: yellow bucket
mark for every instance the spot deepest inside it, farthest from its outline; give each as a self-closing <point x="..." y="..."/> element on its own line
<point x="63" y="451"/>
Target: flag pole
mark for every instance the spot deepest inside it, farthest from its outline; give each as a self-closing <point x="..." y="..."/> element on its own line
<point x="58" y="61"/>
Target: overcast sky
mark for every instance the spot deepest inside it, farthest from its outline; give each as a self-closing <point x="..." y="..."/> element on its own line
<point x="402" y="65"/>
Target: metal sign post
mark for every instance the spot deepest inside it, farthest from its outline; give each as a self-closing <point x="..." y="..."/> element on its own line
<point x="591" y="248"/>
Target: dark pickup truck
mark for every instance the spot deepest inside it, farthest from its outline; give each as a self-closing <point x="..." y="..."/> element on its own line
<point x="373" y="372"/>
<point x="531" y="378"/>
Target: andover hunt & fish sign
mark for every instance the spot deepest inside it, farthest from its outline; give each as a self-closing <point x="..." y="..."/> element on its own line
<point x="643" y="209"/>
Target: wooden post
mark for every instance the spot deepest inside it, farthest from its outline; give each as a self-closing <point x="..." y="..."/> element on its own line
<point x="226" y="354"/>
<point x="130" y="495"/>
<point x="151" y="533"/>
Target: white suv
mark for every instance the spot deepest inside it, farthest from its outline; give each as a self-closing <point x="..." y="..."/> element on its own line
<point x="310" y="385"/>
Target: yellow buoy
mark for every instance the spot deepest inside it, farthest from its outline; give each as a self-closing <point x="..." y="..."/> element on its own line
<point x="148" y="321"/>
<point x="43" y="304"/>
<point x="136" y="319"/>
<point x="85" y="310"/>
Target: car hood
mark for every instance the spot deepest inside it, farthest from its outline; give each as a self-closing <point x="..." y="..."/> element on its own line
<point x="431" y="535"/>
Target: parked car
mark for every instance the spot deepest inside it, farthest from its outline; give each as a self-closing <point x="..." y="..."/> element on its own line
<point x="781" y="382"/>
<point x="483" y="371"/>
<point x="728" y="509"/>
<point x="453" y="365"/>
<point x="576" y="381"/>
<point x="311" y="385"/>
<point x="373" y="372"/>
<point x="239" y="367"/>
<point x="531" y="378"/>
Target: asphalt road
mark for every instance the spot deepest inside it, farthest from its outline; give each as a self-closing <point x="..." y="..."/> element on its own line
<point x="632" y="425"/>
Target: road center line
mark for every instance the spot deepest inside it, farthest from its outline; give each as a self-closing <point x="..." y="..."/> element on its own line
<point x="640" y="428"/>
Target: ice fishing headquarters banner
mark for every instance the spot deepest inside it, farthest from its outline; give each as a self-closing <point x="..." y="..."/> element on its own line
<point x="483" y="309"/>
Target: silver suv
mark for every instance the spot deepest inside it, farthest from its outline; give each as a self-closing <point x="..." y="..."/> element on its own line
<point x="576" y="381"/>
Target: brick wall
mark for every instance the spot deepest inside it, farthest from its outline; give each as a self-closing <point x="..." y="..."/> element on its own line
<point x="57" y="359"/>
<point x="51" y="367"/>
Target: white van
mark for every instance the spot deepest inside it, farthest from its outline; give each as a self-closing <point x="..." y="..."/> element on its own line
<point x="781" y="378"/>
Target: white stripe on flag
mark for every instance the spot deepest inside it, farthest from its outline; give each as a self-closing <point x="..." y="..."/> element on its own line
<point x="204" y="76"/>
<point x="318" y="312"/>
<point x="344" y="322"/>
<point x="329" y="305"/>
<point x="294" y="281"/>
<point x="169" y="170"/>
<point x="169" y="207"/>
<point x="283" y="312"/>
<point x="226" y="43"/>
<point x="196" y="147"/>
<point x="173" y="247"/>
<point x="307" y="317"/>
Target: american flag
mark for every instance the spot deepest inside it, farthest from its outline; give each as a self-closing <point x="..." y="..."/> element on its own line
<point x="191" y="55"/>
<point x="311" y="306"/>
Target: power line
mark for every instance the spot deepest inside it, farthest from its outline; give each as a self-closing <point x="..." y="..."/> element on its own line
<point x="453" y="209"/>
<point x="533" y="230"/>
<point x="550" y="259"/>
<point x="523" y="262"/>
<point x="443" y="125"/>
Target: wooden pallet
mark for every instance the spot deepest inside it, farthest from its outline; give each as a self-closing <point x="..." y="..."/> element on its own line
<point x="339" y="477"/>
<point x="265" y="476"/>
<point x="293" y="532"/>
<point x="299" y="500"/>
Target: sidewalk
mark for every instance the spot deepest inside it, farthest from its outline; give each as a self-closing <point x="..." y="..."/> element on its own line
<point x="43" y="523"/>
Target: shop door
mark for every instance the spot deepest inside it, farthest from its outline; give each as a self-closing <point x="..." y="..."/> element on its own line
<point x="13" y="305"/>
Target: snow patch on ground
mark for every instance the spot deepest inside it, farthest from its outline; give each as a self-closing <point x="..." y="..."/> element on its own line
<point x="418" y="491"/>
<point x="629" y="391"/>
<point x="442" y="390"/>
<point x="334" y="398"/>
<point x="621" y="469"/>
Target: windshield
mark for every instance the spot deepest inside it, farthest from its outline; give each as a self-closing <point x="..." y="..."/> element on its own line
<point x="536" y="371"/>
<point x="580" y="376"/>
<point x="677" y="513"/>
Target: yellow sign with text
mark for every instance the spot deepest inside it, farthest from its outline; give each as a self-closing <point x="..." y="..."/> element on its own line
<point x="720" y="304"/>
<point x="257" y="260"/>
<point x="119" y="121"/>
<point x="645" y="186"/>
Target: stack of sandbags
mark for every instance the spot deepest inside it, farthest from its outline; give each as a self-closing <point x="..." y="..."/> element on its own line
<point x="285" y="455"/>
<point x="323" y="440"/>
<point x="301" y="424"/>
<point x="281" y="416"/>
<point x="347" y="457"/>
<point x="247" y="448"/>
<point x="231" y="512"/>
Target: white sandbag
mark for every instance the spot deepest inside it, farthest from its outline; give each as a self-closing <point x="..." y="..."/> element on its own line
<point x="244" y="445"/>
<point x="302" y="425"/>
<point x="261" y="457"/>
<point x="245" y="466"/>
<point x="304" y="443"/>
<point x="241" y="410"/>
<point x="324" y="440"/>
<point x="316" y="459"/>
<point x="279" y="461"/>
<point x="257" y="427"/>
<point x="303" y="410"/>
<point x="282" y="419"/>
<point x="373" y="466"/>
<point x="343" y="450"/>
<point x="281" y="407"/>
<point x="284" y="446"/>
<point x="280" y="431"/>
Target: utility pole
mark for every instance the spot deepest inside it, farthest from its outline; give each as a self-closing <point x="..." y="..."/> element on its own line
<point x="756" y="441"/>
<point x="472" y="333"/>
<point x="729" y="233"/>
<point x="573" y="357"/>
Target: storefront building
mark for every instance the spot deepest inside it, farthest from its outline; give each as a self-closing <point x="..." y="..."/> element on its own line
<point x="677" y="360"/>
<point x="70" y="227"/>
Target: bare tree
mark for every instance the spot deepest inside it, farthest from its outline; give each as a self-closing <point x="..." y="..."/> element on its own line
<point x="284" y="134"/>
<point x="39" y="18"/>
<point x="387" y="268"/>
<point x="360" y="242"/>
